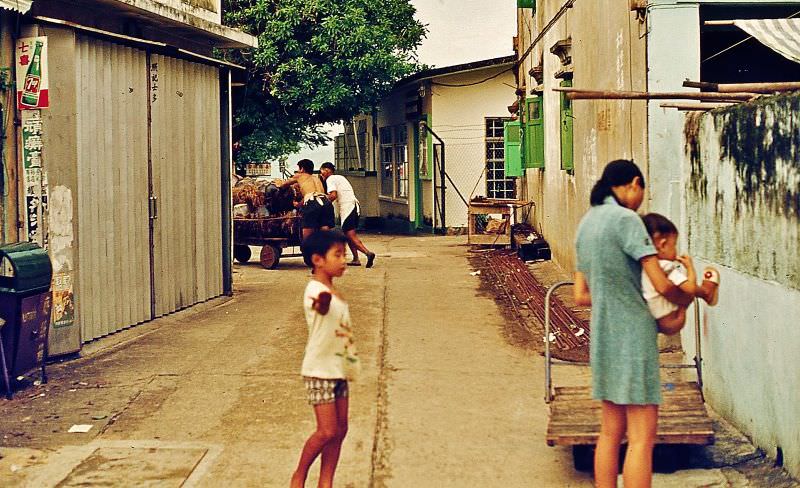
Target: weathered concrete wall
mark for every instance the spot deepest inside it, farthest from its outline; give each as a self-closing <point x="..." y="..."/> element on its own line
<point x="210" y="10"/>
<point x="742" y="182"/>
<point x="366" y="189"/>
<point x="60" y="138"/>
<point x="670" y="64"/>
<point x="608" y="52"/>
<point x="459" y="118"/>
<point x="9" y="168"/>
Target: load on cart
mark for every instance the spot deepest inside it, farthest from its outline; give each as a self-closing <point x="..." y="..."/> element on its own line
<point x="265" y="215"/>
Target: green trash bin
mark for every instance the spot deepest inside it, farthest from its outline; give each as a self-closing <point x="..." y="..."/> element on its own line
<point x="25" y="302"/>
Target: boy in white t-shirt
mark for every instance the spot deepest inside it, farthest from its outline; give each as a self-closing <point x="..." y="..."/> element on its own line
<point x="330" y="357"/>
<point x="680" y="271"/>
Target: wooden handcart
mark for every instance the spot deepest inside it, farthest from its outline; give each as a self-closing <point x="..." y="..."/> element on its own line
<point x="273" y="234"/>
<point x="575" y="417"/>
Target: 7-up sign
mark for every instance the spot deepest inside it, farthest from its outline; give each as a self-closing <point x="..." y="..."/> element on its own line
<point x="32" y="83"/>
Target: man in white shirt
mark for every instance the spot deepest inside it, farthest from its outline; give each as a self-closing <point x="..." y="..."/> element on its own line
<point x="340" y="191"/>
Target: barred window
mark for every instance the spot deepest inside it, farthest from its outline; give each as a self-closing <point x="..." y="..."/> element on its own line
<point x="394" y="161"/>
<point x="497" y="185"/>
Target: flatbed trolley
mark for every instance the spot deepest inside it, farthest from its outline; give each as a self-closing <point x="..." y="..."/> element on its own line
<point x="272" y="234"/>
<point x="575" y="418"/>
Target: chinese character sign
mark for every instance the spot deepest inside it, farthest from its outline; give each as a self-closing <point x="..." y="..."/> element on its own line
<point x="35" y="178"/>
<point x="33" y="86"/>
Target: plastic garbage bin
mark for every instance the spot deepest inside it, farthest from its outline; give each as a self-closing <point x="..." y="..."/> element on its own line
<point x="25" y="301"/>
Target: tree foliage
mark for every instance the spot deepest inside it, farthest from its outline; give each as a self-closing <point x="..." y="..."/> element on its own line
<point x="318" y="61"/>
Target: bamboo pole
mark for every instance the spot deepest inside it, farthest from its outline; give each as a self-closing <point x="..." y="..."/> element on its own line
<point x="580" y="94"/>
<point x="720" y="22"/>
<point x="695" y="105"/>
<point x="766" y="87"/>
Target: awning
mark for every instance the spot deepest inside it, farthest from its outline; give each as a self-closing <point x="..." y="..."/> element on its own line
<point x="780" y="35"/>
<point x="21" y="6"/>
<point x="154" y="20"/>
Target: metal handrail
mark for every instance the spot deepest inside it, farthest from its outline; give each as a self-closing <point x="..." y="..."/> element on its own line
<point x="548" y="381"/>
<point x="548" y="373"/>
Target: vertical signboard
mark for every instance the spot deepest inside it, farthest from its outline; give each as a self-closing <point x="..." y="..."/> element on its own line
<point x="35" y="178"/>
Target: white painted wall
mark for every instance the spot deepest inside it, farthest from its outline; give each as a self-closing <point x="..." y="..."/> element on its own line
<point x="751" y="340"/>
<point x="459" y="118"/>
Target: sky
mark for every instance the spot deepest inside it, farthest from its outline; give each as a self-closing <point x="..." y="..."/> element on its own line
<point x="459" y="31"/>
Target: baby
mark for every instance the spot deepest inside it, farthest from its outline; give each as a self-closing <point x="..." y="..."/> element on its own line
<point x="680" y="271"/>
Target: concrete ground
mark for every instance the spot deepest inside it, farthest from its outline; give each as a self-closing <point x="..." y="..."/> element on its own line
<point x="212" y="396"/>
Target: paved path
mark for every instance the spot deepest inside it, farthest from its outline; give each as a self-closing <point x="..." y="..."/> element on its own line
<point x="212" y="396"/>
<point x="462" y="407"/>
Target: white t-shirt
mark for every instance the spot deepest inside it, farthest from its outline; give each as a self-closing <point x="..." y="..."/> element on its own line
<point x="330" y="337"/>
<point x="345" y="196"/>
<point x="658" y="304"/>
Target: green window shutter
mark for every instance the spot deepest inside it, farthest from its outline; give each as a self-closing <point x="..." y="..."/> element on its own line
<point x="512" y="139"/>
<point x="527" y="4"/>
<point x="567" y="150"/>
<point x="534" y="132"/>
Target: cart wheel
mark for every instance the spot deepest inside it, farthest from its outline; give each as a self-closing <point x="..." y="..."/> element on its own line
<point x="270" y="255"/>
<point x="242" y="253"/>
<point x="583" y="458"/>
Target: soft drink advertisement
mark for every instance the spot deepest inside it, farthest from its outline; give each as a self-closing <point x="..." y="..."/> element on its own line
<point x="33" y="86"/>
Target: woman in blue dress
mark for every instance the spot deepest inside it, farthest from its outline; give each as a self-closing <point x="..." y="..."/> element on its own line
<point x="613" y="247"/>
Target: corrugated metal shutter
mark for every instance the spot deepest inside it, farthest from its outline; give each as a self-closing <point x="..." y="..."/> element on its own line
<point x="18" y="5"/>
<point x="113" y="288"/>
<point x="187" y="181"/>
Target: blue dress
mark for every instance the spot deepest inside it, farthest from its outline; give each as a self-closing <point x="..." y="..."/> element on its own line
<point x="611" y="240"/>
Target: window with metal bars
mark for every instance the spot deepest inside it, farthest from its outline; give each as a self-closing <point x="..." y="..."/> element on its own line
<point x="394" y="162"/>
<point x="497" y="184"/>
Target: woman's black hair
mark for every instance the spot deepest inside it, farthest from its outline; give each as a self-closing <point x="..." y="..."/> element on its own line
<point x="658" y="224"/>
<point x="617" y="173"/>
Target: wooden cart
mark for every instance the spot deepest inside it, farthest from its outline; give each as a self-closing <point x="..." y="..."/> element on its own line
<point x="575" y="417"/>
<point x="273" y="234"/>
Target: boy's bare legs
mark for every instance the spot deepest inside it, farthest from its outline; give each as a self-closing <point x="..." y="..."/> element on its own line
<point x="327" y="430"/>
<point x="642" y="426"/>
<point x="672" y="323"/>
<point x="606" y="454"/>
<point x="330" y="454"/>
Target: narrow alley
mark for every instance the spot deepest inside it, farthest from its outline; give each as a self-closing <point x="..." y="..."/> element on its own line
<point x="213" y="396"/>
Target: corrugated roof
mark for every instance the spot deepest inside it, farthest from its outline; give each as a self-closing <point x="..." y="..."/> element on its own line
<point x="19" y="5"/>
<point x="459" y="68"/>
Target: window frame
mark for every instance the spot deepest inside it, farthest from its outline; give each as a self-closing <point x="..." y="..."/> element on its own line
<point x="396" y="144"/>
<point x="494" y="140"/>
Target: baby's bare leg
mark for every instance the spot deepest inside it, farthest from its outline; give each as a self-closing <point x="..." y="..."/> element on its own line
<point x="705" y="290"/>
<point x="673" y="323"/>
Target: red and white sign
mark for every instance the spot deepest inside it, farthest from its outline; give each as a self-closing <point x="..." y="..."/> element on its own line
<point x="33" y="85"/>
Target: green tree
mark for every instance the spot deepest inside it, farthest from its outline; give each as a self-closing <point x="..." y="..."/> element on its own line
<point x="318" y="61"/>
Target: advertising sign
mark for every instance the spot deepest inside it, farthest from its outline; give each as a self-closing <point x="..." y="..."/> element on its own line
<point x="33" y="85"/>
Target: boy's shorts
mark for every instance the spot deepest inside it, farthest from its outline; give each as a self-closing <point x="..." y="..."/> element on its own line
<point x="322" y="391"/>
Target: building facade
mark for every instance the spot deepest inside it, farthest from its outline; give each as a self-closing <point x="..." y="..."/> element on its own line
<point x="655" y="46"/>
<point x="435" y="141"/>
<point x="131" y="176"/>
